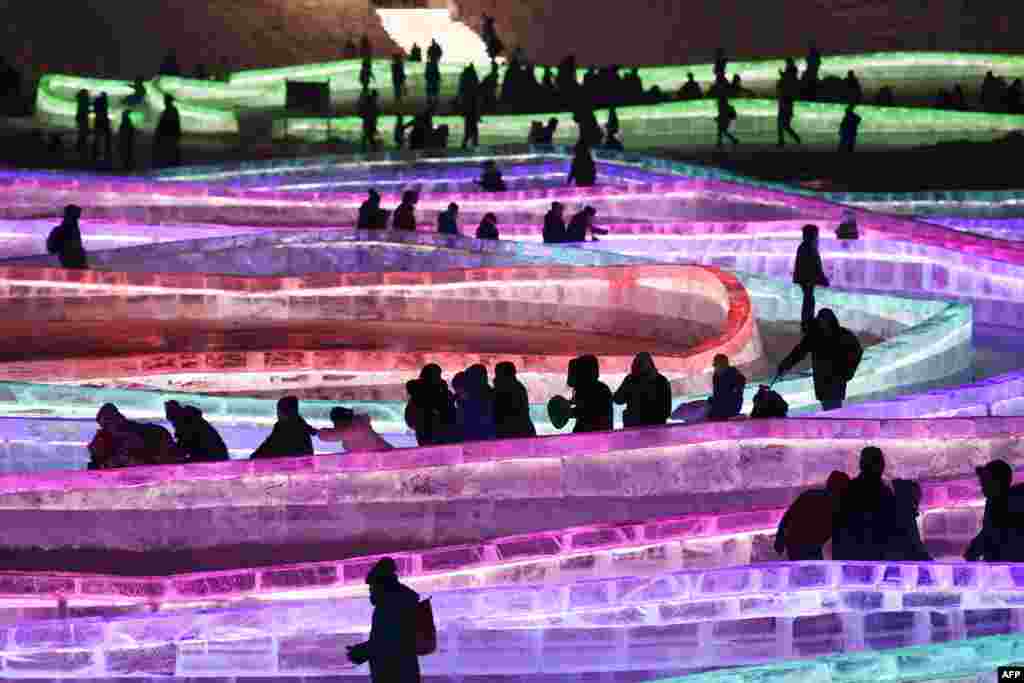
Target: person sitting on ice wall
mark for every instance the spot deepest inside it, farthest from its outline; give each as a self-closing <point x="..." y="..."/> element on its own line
<point x="726" y="400"/>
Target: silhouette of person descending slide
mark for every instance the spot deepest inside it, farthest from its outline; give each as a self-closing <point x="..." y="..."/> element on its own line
<point x="121" y="442"/>
<point x="199" y="440"/>
<point x="371" y="216"/>
<point x="447" y="220"/>
<point x="904" y="537"/>
<point x="691" y="89"/>
<point x="581" y="224"/>
<point x="126" y="141"/>
<point x="65" y="240"/>
<point x="488" y="230"/>
<point x="391" y="647"/>
<point x="405" y="214"/>
<point x="490" y="178"/>
<point x="808" y="273"/>
<point x="591" y="398"/>
<point x="291" y="436"/>
<point x="807" y="525"/>
<point x="848" y="130"/>
<point x="787" y="92"/>
<point x="864" y="522"/>
<point x="102" y="137"/>
<point x="354" y="431"/>
<point x="1001" y="538"/>
<point x="646" y="394"/>
<point x="511" y="404"/>
<point x="431" y="408"/>
<point x="474" y="404"/>
<point x="725" y="118"/>
<point x="554" y="224"/>
<point x="726" y="400"/>
<point x="835" y="354"/>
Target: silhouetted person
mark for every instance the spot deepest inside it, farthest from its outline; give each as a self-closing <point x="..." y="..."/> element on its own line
<point x="167" y="140"/>
<point x="536" y="131"/>
<point x="808" y="273"/>
<point x="511" y="404"/>
<point x="398" y="77"/>
<point x="121" y="442"/>
<point x="903" y="543"/>
<point x="391" y="648"/>
<point x="83" y="109"/>
<point x="691" y="89"/>
<point x="728" y="383"/>
<point x="371" y="216"/>
<point x="864" y="522"/>
<point x="736" y="88"/>
<point x="724" y="120"/>
<point x="489" y="90"/>
<point x="1013" y="98"/>
<point x="440" y="136"/>
<point x="65" y="240"/>
<point x="471" y="121"/>
<point x="591" y="398"/>
<point x="807" y="525"/>
<point x="787" y="91"/>
<point x="366" y="74"/>
<point x="369" y="112"/>
<point x="848" y="130"/>
<point x="580" y="225"/>
<point x="354" y="431"/>
<point x="554" y="224"/>
<point x="291" y="436"/>
<point x="126" y="141"/>
<point x="583" y="170"/>
<point x="170" y="66"/>
<point x="720" y="64"/>
<point x="399" y="131"/>
<point x="490" y="178"/>
<point x="488" y="228"/>
<point x="565" y="80"/>
<point x="194" y="435"/>
<point x="1000" y="538"/>
<point x="102" y="136"/>
<point x="405" y="214"/>
<point x="432" y="76"/>
<point x="885" y="97"/>
<point x="790" y="73"/>
<point x="434" y="52"/>
<point x="447" y="220"/>
<point x="632" y="86"/>
<point x="422" y="128"/>
<point x="430" y="412"/>
<point x="138" y="96"/>
<point x="590" y="132"/>
<point x="854" y="94"/>
<point x="646" y="394"/>
<point x="415" y="53"/>
<point x="474" y="404"/>
<point x="835" y="354"/>
<point x="547" y="135"/>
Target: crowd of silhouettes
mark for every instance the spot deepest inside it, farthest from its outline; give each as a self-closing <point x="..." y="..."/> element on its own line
<point x="120" y="442"/>
<point x="869" y="518"/>
<point x="556" y="231"/>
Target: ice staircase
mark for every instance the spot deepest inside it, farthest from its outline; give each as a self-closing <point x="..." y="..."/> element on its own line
<point x="460" y="43"/>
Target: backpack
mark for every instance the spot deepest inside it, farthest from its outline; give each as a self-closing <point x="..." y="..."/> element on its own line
<point x="768" y="403"/>
<point x="53" y="242"/>
<point x="426" y="630"/>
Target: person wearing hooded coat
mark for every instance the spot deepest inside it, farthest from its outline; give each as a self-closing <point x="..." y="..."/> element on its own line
<point x="391" y="648"/>
<point x="291" y="436"/>
<point x="808" y="272"/>
<point x="591" y="398"/>
<point x="646" y="394"/>
<point x="835" y="354"/>
<point x="194" y="435"/>
<point x="511" y="404"/>
<point x="65" y="240"/>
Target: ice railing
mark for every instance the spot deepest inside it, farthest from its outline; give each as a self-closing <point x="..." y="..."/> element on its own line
<point x="718" y="618"/>
<point x="951" y="511"/>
